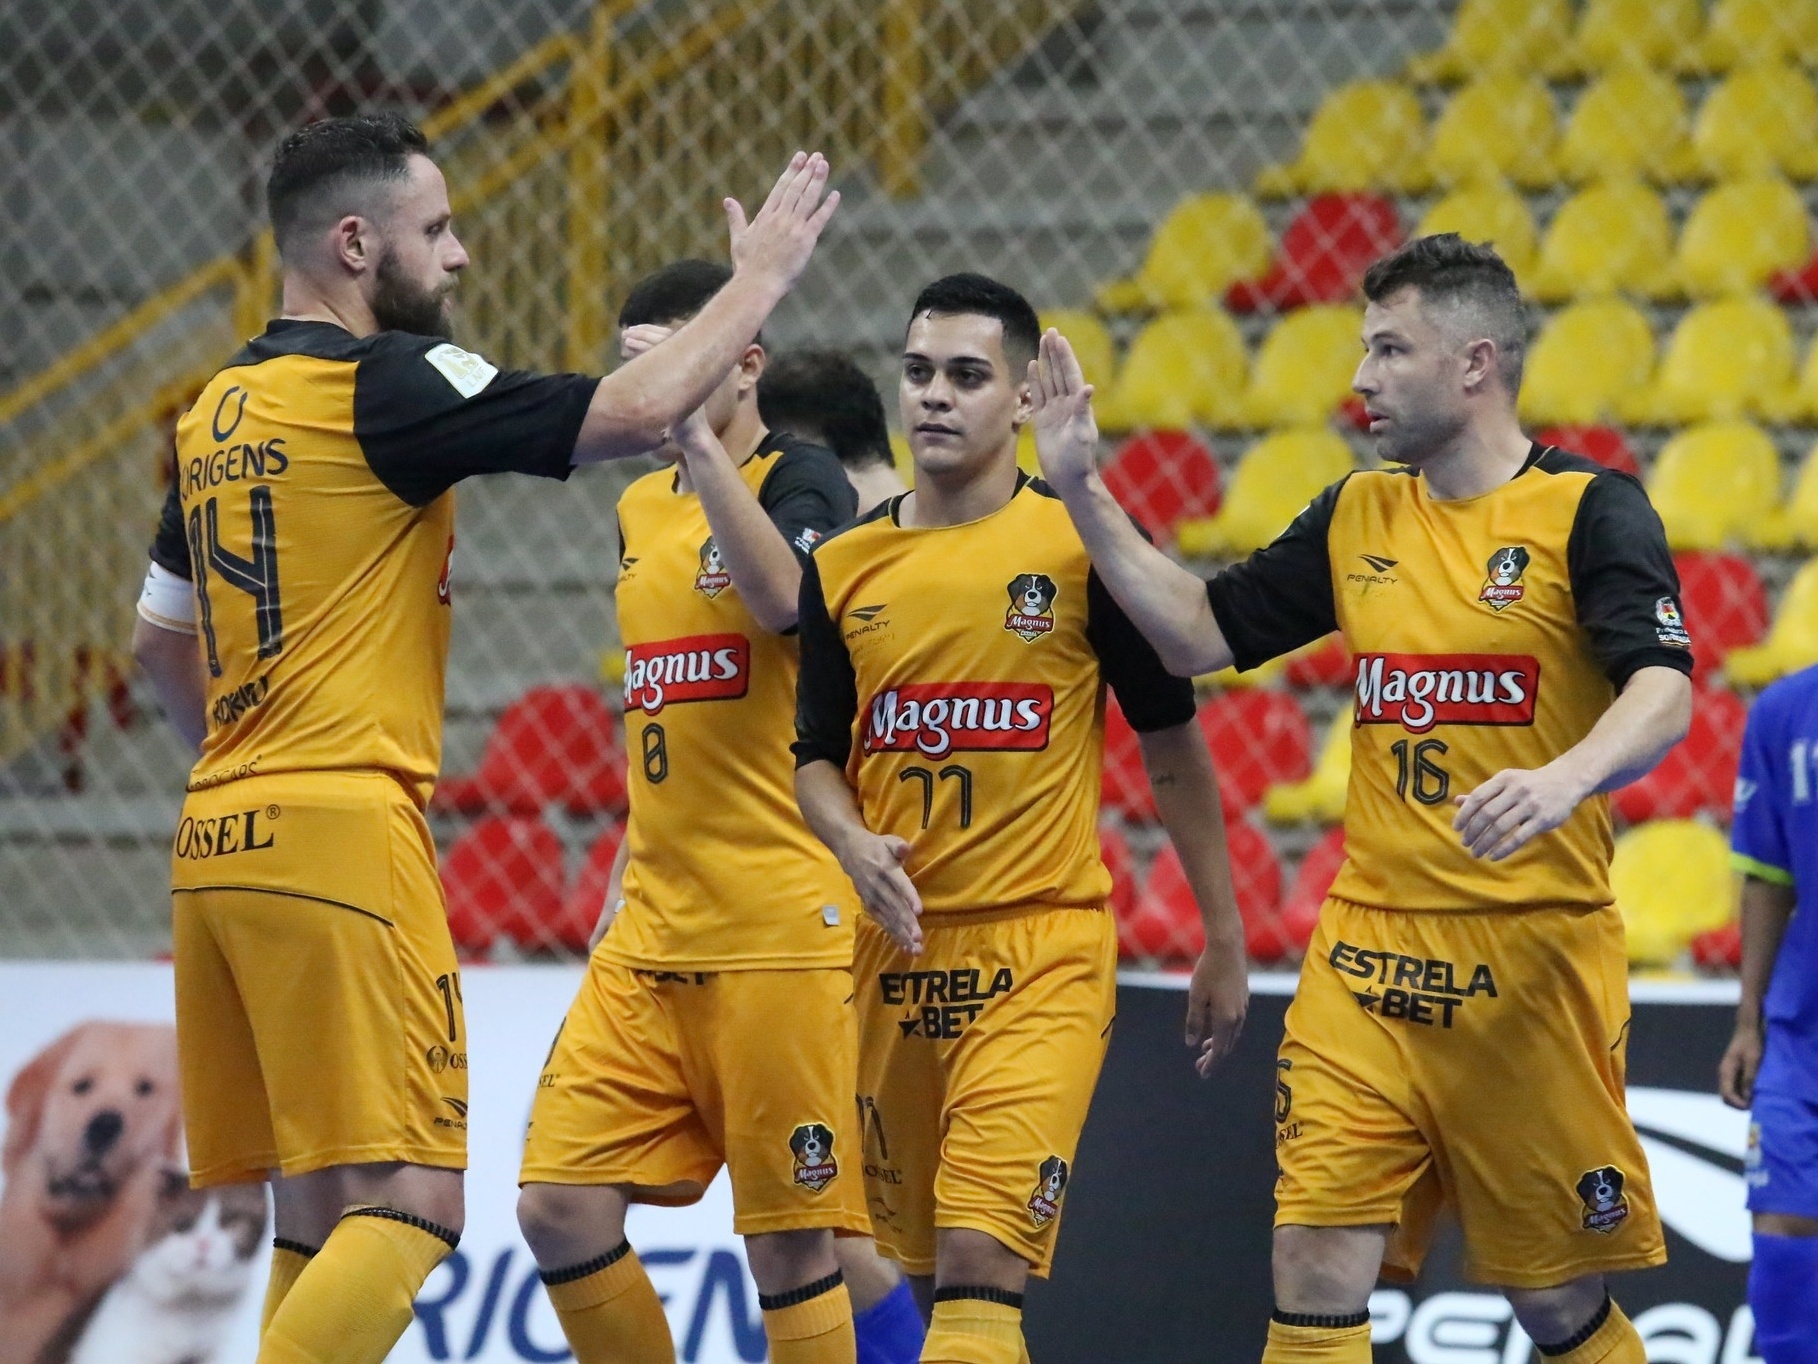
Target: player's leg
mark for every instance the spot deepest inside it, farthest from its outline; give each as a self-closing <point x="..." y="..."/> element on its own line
<point x="1782" y="1173"/>
<point x="885" y="1318"/>
<point x="802" y="1294"/>
<point x="608" y="1307"/>
<point x="1578" y="1322"/>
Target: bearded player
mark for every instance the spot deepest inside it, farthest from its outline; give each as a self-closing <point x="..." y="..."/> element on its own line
<point x="955" y="651"/>
<point x="1514" y="615"/>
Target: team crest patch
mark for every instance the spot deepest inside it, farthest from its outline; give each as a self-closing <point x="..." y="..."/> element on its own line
<point x="1503" y="586"/>
<point x="1044" y="1203"/>
<point x="1670" y="629"/>
<point x="1031" y="613"/>
<point x="1606" y="1207"/>
<point x="713" y="578"/>
<point x="812" y="1145"/>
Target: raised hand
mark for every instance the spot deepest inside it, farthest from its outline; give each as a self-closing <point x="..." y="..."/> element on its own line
<point x="1066" y="435"/>
<point x="777" y="243"/>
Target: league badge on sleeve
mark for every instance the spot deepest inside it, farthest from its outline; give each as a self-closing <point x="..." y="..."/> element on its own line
<point x="1503" y="586"/>
<point x="1031" y="613"/>
<point x="812" y="1146"/>
<point x="1670" y="625"/>
<point x="1051" y="1183"/>
<point x="1606" y="1206"/>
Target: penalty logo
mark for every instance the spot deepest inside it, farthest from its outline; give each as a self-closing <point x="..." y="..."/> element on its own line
<point x="812" y="1146"/>
<point x="1031" y="613"/>
<point x="713" y="578"/>
<point x="1606" y="1207"/>
<point x="1044" y="1203"/>
<point x="1503" y="587"/>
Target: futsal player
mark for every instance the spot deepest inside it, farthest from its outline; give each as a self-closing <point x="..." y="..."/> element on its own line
<point x="822" y="395"/>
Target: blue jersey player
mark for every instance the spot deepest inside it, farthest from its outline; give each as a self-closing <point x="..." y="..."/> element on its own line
<point x="1772" y="1062"/>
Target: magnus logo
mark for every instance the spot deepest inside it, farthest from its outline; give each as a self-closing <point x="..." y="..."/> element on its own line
<point x="693" y="668"/>
<point x="1419" y="691"/>
<point x="938" y="718"/>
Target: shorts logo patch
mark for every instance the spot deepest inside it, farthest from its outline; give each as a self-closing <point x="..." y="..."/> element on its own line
<point x="1031" y="613"/>
<point x="1502" y="581"/>
<point x="1606" y="1207"/>
<point x="1044" y="1203"/>
<point x="812" y="1146"/>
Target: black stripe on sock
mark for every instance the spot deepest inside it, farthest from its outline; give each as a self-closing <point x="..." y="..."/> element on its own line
<point x="776" y="1302"/>
<point x="420" y="1223"/>
<point x="1583" y="1333"/>
<point x="981" y="1293"/>
<point x="586" y="1267"/>
<point x="1325" y="1322"/>
<point x="295" y="1247"/>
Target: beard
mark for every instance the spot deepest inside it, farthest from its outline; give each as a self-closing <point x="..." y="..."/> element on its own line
<point x="1413" y="439"/>
<point x="399" y="305"/>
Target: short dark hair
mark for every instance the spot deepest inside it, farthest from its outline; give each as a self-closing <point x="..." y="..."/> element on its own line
<point x="1467" y="277"/>
<point x="977" y="294"/>
<point x="673" y="294"/>
<point x="319" y="170"/>
<point x="823" y="395"/>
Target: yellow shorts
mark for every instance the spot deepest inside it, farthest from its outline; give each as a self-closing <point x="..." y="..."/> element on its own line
<point x="658" y="1078"/>
<point x="1473" y="1060"/>
<point x="318" y="999"/>
<point x="977" y="1061"/>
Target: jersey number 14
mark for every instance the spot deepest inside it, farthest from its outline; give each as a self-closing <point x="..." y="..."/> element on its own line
<point x="257" y="576"/>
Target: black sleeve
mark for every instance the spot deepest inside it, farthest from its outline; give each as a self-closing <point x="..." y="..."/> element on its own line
<point x="170" y="547"/>
<point x="826" y="690"/>
<point x="1151" y="697"/>
<point x="807" y="495"/>
<point x="422" y="434"/>
<point x="1624" y="582"/>
<point x="1281" y="596"/>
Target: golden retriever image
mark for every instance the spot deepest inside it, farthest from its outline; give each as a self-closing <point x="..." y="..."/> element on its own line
<point x="92" y="1125"/>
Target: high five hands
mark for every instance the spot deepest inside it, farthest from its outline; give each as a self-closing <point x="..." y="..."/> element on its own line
<point x="1066" y="435"/>
<point x="778" y="241"/>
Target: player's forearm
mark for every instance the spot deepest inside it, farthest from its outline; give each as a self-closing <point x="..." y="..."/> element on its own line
<point x="829" y="806"/>
<point x="173" y="661"/>
<point x="1642" y="724"/>
<point x="1766" y="908"/>
<point x="1167" y="603"/>
<point x="758" y="558"/>
<point x="1186" y="797"/>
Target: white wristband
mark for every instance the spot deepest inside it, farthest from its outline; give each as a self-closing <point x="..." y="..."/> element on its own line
<point x="168" y="602"/>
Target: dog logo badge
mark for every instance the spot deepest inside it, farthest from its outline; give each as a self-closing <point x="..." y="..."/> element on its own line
<point x="1606" y="1207"/>
<point x="713" y="578"/>
<point x="1503" y="587"/>
<point x="812" y="1145"/>
<point x="1031" y="613"/>
<point x="1044" y="1203"/>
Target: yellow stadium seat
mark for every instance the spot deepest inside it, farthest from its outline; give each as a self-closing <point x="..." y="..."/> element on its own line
<point x="1760" y="120"/>
<point x="1182" y="368"/>
<point x="1794" y="524"/>
<point x="1792" y="642"/>
<point x="1629" y="122"/>
<point x="1731" y="358"/>
<point x="1090" y="342"/>
<point x="1496" y="35"/>
<point x="1499" y="126"/>
<point x="1614" y="33"/>
<point x="1711" y="483"/>
<point x="1321" y="796"/>
<point x="1671" y="879"/>
<point x="1366" y="135"/>
<point x="1739" y="235"/>
<point x="1303" y="368"/>
<point x="1205" y="244"/>
<point x="1606" y="239"/>
<point x="1586" y="360"/>
<point x="1488" y="213"/>
<point x="902" y="457"/>
<point x="1743" y="32"/>
<point x="1271" y="486"/>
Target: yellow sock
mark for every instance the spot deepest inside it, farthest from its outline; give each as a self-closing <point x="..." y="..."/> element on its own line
<point x="1612" y="1339"/>
<point x="812" y="1324"/>
<point x="287" y="1261"/>
<point x="968" y="1330"/>
<point x="352" y="1301"/>
<point x="1345" y="1343"/>
<point x="610" y="1311"/>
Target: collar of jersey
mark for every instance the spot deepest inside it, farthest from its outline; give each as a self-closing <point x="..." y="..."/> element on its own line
<point x="896" y="510"/>
<point x="1535" y="451"/>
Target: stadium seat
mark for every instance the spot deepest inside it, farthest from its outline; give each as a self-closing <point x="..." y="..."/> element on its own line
<point x="1320" y="797"/>
<point x="1724" y="605"/>
<point x="1698" y="774"/>
<point x="1273" y="483"/>
<point x="1324" y="253"/>
<point x="1166" y="924"/>
<point x="1727" y="359"/>
<point x="1672" y="881"/>
<point x="1258" y="739"/>
<point x="1369" y="134"/>
<point x="586" y="897"/>
<point x="1617" y="33"/>
<point x="1090" y="342"/>
<point x="1712" y="481"/>
<point x="1488" y="213"/>
<point x="1586" y="361"/>
<point x="1318" y="870"/>
<point x="1628" y="123"/>
<point x="1718" y="949"/>
<point x="1500" y="126"/>
<point x="504" y="872"/>
<point x="1162" y="477"/>
<point x="1605" y="444"/>
<point x="1792" y="641"/>
<point x="1303" y="368"/>
<point x="1496" y="35"/>
<point x="1114" y="848"/>
<point x="1799" y="402"/>
<point x="1182" y="369"/>
<point x="1125" y="786"/>
<point x="1741" y="235"/>
<point x="1323" y="663"/>
<point x="1744" y="32"/>
<point x="1760" y="120"/>
<point x="1793" y="525"/>
<point x="1207" y="242"/>
<point x="1609" y="238"/>
<point x="553" y="745"/>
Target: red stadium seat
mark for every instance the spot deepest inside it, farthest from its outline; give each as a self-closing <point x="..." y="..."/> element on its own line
<point x="503" y="873"/>
<point x="1165" y="924"/>
<point x="1300" y="912"/>
<point x="1725" y="607"/>
<point x="553" y="745"/>
<point x="1258" y="738"/>
<point x="1323" y="255"/>
<point x="581" y="907"/>
<point x="1796" y="286"/>
<point x="1163" y="477"/>
<point x="1324" y="664"/>
<point x="1605" y="444"/>
<point x="1121" y="863"/>
<point x="1699" y="774"/>
<point x="1719" y="949"/>
<point x="1126" y="784"/>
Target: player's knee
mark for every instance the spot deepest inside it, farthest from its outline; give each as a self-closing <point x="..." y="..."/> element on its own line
<point x="1327" y="1271"/>
<point x="1554" y="1314"/>
<point x="783" y="1260"/>
<point x="560" y="1227"/>
<point x="870" y="1278"/>
<point x="965" y="1256"/>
